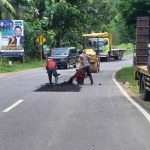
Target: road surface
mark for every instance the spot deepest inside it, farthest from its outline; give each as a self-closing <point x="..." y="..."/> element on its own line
<point x="99" y="117"/>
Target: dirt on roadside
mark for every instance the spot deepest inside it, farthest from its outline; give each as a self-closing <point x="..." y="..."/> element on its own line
<point x="2" y="74"/>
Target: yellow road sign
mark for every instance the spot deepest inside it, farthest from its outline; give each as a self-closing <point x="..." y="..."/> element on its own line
<point x="41" y="39"/>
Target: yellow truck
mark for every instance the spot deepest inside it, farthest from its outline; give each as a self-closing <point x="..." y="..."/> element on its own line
<point x="141" y="61"/>
<point x="101" y="43"/>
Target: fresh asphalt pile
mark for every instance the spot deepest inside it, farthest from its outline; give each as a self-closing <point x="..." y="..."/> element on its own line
<point x="62" y="87"/>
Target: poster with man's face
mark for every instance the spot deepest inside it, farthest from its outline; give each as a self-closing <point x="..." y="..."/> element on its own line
<point x="11" y="38"/>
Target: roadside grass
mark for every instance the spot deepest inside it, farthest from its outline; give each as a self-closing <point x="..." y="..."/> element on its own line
<point x="126" y="76"/>
<point x="5" y="67"/>
<point x="128" y="52"/>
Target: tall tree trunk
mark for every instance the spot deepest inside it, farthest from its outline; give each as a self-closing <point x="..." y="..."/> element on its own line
<point x="58" y="44"/>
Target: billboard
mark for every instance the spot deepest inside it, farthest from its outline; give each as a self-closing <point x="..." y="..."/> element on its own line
<point x="11" y="38"/>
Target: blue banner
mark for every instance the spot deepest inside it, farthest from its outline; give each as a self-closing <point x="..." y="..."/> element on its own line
<point x="11" y="38"/>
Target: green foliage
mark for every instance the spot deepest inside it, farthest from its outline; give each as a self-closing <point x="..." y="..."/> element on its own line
<point x="128" y="46"/>
<point x="130" y="10"/>
<point x="62" y="22"/>
<point x="5" y="67"/>
<point x="31" y="33"/>
<point x="7" y="10"/>
<point x="118" y="30"/>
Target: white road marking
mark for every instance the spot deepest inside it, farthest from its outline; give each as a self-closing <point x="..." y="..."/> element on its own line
<point x="33" y="76"/>
<point x="147" y="115"/>
<point x="14" y="105"/>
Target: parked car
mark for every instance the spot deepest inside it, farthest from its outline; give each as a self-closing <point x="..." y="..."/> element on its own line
<point x="64" y="56"/>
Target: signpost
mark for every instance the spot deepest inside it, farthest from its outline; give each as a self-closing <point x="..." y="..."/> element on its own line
<point x="41" y="40"/>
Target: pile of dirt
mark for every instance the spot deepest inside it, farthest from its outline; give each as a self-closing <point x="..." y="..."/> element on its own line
<point x="62" y="87"/>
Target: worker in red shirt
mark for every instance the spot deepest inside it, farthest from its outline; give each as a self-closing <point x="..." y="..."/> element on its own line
<point x="51" y="70"/>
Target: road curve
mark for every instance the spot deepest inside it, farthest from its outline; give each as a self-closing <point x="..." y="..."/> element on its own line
<point x="99" y="117"/>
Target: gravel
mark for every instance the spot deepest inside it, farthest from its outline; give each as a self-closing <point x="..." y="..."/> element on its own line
<point x="62" y="87"/>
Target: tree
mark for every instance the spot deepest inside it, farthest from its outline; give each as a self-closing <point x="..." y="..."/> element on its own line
<point x="6" y="8"/>
<point x="130" y="10"/>
<point x="63" y="22"/>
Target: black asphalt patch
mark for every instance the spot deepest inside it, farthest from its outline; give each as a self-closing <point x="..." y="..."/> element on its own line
<point x="62" y="87"/>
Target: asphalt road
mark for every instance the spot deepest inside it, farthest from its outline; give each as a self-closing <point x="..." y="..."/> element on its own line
<point x="99" y="117"/>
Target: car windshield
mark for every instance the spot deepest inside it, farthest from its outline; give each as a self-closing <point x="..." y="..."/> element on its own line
<point x="60" y="51"/>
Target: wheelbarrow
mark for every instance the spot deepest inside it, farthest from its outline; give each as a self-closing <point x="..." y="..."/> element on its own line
<point x="78" y="76"/>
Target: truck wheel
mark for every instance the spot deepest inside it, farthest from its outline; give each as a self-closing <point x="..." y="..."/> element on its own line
<point x="107" y="58"/>
<point x="120" y="56"/>
<point x="148" y="62"/>
<point x="145" y="93"/>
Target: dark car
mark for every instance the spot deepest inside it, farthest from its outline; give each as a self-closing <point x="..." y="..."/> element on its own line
<point x="64" y="57"/>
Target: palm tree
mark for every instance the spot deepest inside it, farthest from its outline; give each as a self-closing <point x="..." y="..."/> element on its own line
<point x="7" y="11"/>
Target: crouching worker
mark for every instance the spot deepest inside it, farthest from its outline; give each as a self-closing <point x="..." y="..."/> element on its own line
<point x="51" y="70"/>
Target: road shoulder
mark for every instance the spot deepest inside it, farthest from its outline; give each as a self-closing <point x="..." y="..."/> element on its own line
<point x="136" y="97"/>
<point x="2" y="74"/>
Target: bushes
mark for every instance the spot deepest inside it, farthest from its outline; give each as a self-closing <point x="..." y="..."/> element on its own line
<point x="32" y="31"/>
<point x="128" y="46"/>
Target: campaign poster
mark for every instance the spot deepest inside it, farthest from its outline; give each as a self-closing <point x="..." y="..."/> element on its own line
<point x="11" y="38"/>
